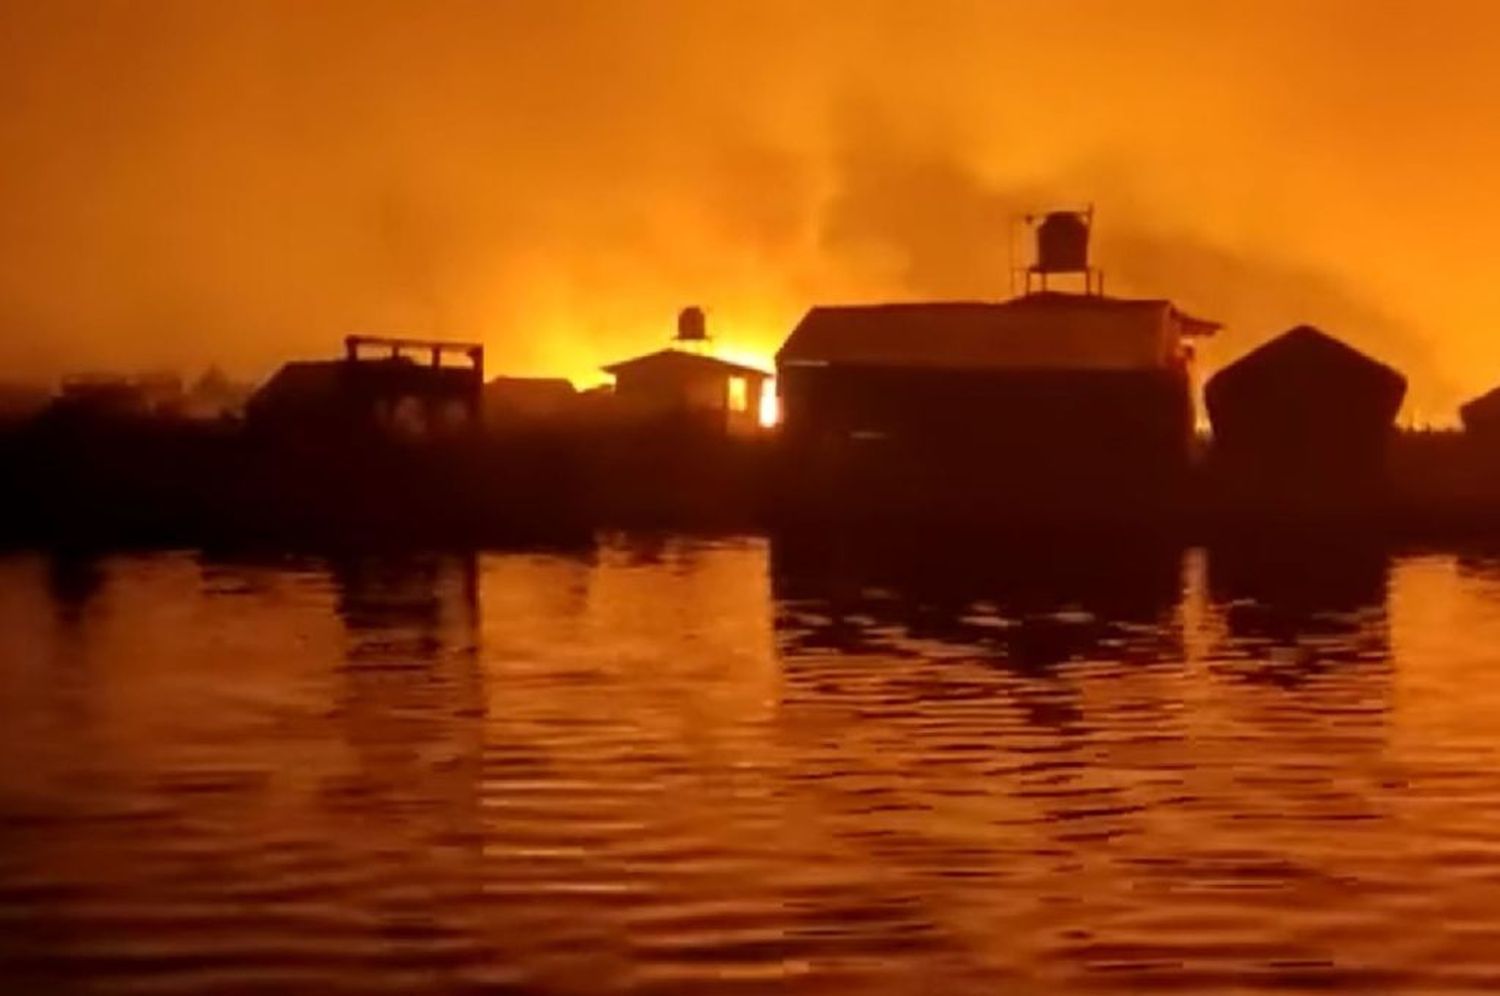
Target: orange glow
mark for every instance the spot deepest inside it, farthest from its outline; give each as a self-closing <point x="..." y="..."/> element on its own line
<point x="739" y="394"/>
<point x="770" y="405"/>
<point x="246" y="183"/>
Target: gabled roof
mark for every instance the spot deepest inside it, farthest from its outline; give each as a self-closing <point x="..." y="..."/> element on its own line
<point x="676" y="359"/>
<point x="1301" y="380"/>
<point x="302" y="378"/>
<point x="1039" y="331"/>
<point x="1311" y="357"/>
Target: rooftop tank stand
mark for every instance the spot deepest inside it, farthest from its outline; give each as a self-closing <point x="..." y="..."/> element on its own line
<point x="692" y="331"/>
<point x="1062" y="247"/>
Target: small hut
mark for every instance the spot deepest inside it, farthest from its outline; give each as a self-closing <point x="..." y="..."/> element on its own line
<point x="1304" y="409"/>
<point x="671" y="383"/>
<point x="686" y="385"/>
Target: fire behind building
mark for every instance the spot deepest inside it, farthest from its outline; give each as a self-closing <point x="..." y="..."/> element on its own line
<point x="684" y="385"/>
<point x="1049" y="399"/>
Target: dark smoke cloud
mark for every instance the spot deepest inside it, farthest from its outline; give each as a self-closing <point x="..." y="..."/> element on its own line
<point x="241" y="181"/>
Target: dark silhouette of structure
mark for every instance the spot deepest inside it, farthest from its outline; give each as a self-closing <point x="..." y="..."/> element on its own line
<point x="519" y="400"/>
<point x="1303" y="417"/>
<point x="1026" y="400"/>
<point x="1481" y="416"/>
<point x="1051" y="409"/>
<point x="390" y="391"/>
<point x="1062" y="247"/>
<point x="692" y="326"/>
<point x="684" y="384"/>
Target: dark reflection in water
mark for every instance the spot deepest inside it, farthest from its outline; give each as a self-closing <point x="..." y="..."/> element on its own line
<point x="74" y="579"/>
<point x="1295" y="611"/>
<point x="797" y="765"/>
<point x="410" y="705"/>
<point x="1027" y="606"/>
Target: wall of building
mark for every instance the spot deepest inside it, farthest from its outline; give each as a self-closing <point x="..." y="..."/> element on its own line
<point x="1037" y="433"/>
<point x="668" y="391"/>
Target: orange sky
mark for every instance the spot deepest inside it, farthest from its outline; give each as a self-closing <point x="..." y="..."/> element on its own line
<point x="185" y="181"/>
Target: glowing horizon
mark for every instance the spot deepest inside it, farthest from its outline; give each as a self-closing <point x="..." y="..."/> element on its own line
<point x="193" y="184"/>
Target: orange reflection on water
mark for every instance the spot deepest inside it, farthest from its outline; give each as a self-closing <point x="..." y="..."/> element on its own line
<point x="795" y="765"/>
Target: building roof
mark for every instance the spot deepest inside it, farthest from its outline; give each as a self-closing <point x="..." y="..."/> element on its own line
<point x="1313" y="359"/>
<point x="299" y="382"/>
<point x="530" y="387"/>
<point x="530" y="395"/>
<point x="676" y="359"/>
<point x="1039" y="331"/>
<point x="1301" y="373"/>
<point x="1485" y="408"/>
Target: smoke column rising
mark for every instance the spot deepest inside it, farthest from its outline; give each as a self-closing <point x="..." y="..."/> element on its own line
<point x="241" y="182"/>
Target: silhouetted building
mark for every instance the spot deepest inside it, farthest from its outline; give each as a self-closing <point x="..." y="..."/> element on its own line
<point x="1481" y="416"/>
<point x="1036" y="392"/>
<point x="301" y="392"/>
<point x="388" y="392"/>
<point x="1303" y="413"/>
<point x="674" y="384"/>
<point x="509" y="400"/>
<point x="687" y="386"/>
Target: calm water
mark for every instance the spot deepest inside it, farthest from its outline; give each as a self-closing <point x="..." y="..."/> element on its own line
<point x="674" y="766"/>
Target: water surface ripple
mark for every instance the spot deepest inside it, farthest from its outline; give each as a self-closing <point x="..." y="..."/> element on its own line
<point x="672" y="765"/>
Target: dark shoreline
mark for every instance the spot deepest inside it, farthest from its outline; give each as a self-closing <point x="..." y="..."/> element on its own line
<point x="154" y="484"/>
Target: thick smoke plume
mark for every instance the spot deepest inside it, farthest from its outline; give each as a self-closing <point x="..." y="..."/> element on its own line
<point x="247" y="180"/>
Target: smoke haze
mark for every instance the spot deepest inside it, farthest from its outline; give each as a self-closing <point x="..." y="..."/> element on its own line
<point x="188" y="182"/>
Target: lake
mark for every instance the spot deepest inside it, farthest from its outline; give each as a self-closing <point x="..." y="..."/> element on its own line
<point x="660" y="764"/>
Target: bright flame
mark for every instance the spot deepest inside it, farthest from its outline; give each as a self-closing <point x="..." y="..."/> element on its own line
<point x="739" y="394"/>
<point x="770" y="404"/>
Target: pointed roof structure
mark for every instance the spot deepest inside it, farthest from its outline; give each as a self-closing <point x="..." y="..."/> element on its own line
<point x="1306" y="368"/>
<point x="679" y="360"/>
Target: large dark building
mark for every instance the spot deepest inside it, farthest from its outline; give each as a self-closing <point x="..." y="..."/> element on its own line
<point x="1304" y="410"/>
<point x="1035" y="395"/>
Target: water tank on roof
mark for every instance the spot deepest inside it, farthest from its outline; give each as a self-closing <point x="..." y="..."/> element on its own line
<point x="691" y="325"/>
<point x="1062" y="243"/>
